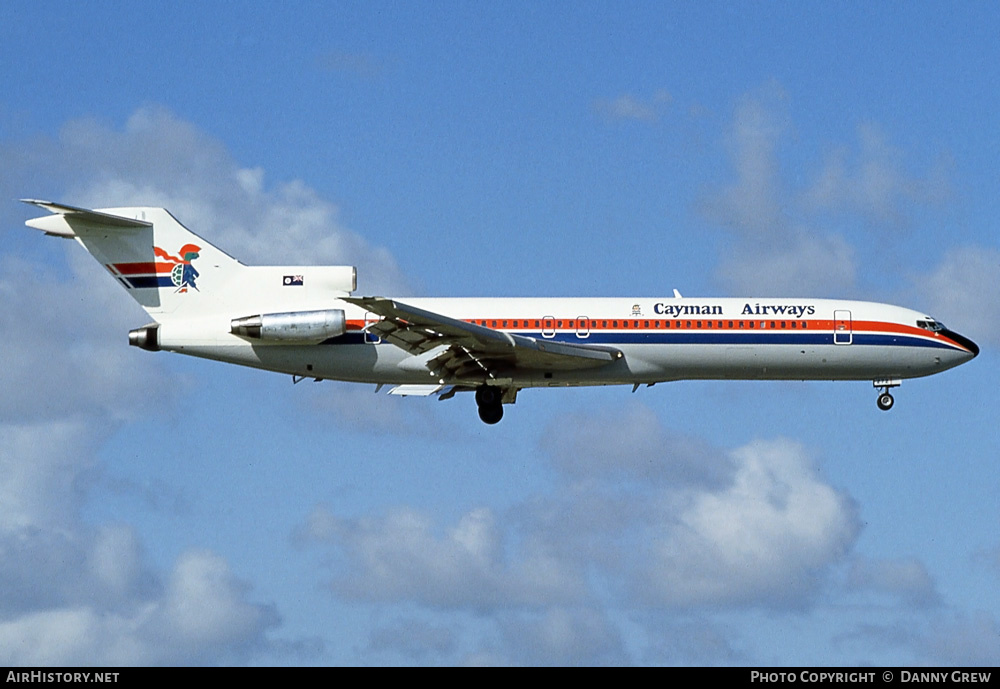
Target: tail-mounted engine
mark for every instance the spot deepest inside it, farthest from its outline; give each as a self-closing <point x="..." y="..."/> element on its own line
<point x="146" y="337"/>
<point x="293" y="326"/>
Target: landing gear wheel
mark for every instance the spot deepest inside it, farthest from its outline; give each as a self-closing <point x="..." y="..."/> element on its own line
<point x="885" y="401"/>
<point x="488" y="395"/>
<point x="489" y="399"/>
<point x="491" y="413"/>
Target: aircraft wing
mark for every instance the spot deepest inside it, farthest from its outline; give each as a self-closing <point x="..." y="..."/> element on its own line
<point x="459" y="350"/>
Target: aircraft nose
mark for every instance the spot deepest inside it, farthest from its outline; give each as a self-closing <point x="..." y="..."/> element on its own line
<point x="963" y="341"/>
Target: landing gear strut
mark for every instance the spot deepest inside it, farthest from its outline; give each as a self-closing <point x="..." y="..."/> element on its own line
<point x="885" y="400"/>
<point x="489" y="399"/>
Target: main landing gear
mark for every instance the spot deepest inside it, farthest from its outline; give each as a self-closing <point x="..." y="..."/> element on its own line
<point x="885" y="400"/>
<point x="489" y="398"/>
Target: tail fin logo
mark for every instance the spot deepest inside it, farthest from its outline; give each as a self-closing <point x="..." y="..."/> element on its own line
<point x="182" y="274"/>
<point x="167" y="271"/>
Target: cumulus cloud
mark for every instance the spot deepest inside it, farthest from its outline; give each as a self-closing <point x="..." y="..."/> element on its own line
<point x="905" y="579"/>
<point x="563" y="636"/>
<point x="872" y="181"/>
<point x="962" y="640"/>
<point x="639" y="449"/>
<point x="782" y="236"/>
<point x="72" y="593"/>
<point x="767" y="539"/>
<point x="631" y="515"/>
<point x="404" y="556"/>
<point x="414" y="639"/>
<point x="756" y="208"/>
<point x="67" y="336"/>
<point x="157" y="159"/>
<point x="75" y="592"/>
<point x="201" y="616"/>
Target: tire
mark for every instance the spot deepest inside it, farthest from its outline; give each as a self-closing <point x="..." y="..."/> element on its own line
<point x="488" y="395"/>
<point x="491" y="413"/>
<point x="885" y="401"/>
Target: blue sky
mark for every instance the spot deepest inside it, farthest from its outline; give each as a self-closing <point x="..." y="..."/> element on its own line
<point x="161" y="510"/>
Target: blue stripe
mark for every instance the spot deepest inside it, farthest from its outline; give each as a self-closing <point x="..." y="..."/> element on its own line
<point x="147" y="281"/>
<point x="708" y="337"/>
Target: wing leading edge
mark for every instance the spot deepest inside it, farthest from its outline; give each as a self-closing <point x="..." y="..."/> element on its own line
<point x="456" y="350"/>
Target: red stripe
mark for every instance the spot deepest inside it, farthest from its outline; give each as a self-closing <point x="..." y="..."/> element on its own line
<point x="807" y="325"/>
<point x="145" y="268"/>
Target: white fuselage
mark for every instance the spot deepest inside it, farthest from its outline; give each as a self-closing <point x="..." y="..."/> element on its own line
<point x="662" y="339"/>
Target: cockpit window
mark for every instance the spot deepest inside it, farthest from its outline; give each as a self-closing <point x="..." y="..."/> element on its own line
<point x="930" y="324"/>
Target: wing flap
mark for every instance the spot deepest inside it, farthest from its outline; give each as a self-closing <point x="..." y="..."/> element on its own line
<point x="474" y="352"/>
<point x="416" y="390"/>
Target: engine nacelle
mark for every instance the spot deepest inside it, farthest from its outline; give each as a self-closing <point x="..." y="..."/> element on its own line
<point x="147" y="337"/>
<point x="293" y="326"/>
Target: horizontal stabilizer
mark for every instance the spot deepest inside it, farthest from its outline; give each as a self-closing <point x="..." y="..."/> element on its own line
<point x="65" y="216"/>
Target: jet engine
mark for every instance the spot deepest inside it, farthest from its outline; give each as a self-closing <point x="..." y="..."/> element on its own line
<point x="147" y="337"/>
<point x="293" y="326"/>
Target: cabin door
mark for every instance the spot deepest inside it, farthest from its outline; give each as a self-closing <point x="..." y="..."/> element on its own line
<point x="842" y="330"/>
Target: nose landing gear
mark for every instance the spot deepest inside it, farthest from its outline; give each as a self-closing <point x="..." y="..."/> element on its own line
<point x="885" y="400"/>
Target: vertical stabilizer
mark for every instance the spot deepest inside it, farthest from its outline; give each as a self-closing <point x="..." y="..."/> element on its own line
<point x="162" y="264"/>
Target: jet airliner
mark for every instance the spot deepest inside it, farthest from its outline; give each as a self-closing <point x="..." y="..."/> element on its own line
<point x="305" y="321"/>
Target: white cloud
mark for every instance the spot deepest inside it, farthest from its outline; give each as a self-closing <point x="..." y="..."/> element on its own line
<point x="782" y="236"/>
<point x="876" y="186"/>
<point x="203" y="616"/>
<point x="564" y="636"/>
<point x="73" y="592"/>
<point x="773" y="252"/>
<point x="637" y="448"/>
<point x="962" y="640"/>
<point x="77" y="594"/>
<point x="767" y="539"/>
<point x="401" y="556"/>
<point x="158" y="159"/>
<point x="905" y="579"/>
<point x="68" y="338"/>
<point x="760" y="528"/>
<point x="414" y="639"/>
<point x="803" y="264"/>
<point x="205" y="606"/>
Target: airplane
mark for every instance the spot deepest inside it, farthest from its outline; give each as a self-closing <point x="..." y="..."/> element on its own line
<point x="304" y="321"/>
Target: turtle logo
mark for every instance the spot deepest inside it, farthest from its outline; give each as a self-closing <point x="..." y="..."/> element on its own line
<point x="183" y="274"/>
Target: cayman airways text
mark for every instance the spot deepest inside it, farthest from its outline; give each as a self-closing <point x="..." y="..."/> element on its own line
<point x="757" y="309"/>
